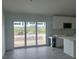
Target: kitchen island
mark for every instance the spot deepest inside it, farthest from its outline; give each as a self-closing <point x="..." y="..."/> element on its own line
<point x="67" y="42"/>
<point x="69" y="45"/>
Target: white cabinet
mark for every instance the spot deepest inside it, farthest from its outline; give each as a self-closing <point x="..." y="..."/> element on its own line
<point x="58" y="21"/>
<point x="70" y="47"/>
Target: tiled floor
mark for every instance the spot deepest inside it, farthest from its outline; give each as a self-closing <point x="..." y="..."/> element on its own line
<point x="37" y="53"/>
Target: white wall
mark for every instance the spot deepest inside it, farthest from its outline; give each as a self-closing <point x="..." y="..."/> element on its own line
<point x="3" y="34"/>
<point x="59" y="20"/>
<point x="57" y="25"/>
<point x="10" y="17"/>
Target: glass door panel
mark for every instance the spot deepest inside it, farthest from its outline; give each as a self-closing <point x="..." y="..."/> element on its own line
<point x="30" y="33"/>
<point x="41" y="33"/>
<point x="19" y="34"/>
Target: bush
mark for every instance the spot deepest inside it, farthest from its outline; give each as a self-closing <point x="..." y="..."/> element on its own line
<point x="20" y="30"/>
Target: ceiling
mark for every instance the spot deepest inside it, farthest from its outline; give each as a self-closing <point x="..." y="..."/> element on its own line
<point x="44" y="7"/>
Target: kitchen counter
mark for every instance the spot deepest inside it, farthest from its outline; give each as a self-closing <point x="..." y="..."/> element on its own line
<point x="55" y="41"/>
<point x="66" y="37"/>
<point x="69" y="44"/>
<point x="69" y="38"/>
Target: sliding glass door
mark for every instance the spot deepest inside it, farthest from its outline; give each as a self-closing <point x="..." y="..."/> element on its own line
<point x="29" y="33"/>
<point x="41" y="33"/>
<point x="19" y="34"/>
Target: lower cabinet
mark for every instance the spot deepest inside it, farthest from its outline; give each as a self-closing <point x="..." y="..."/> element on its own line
<point x="70" y="47"/>
<point x="59" y="42"/>
<point x="55" y="42"/>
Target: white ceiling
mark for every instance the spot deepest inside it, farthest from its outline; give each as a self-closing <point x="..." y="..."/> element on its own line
<point x="48" y="7"/>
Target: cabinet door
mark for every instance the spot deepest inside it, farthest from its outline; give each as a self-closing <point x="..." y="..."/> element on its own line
<point x="59" y="42"/>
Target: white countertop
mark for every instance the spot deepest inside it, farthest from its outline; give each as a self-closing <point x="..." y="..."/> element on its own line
<point x="67" y="37"/>
<point x="50" y="37"/>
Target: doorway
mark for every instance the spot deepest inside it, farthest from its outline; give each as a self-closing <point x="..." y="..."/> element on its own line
<point x="29" y="34"/>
